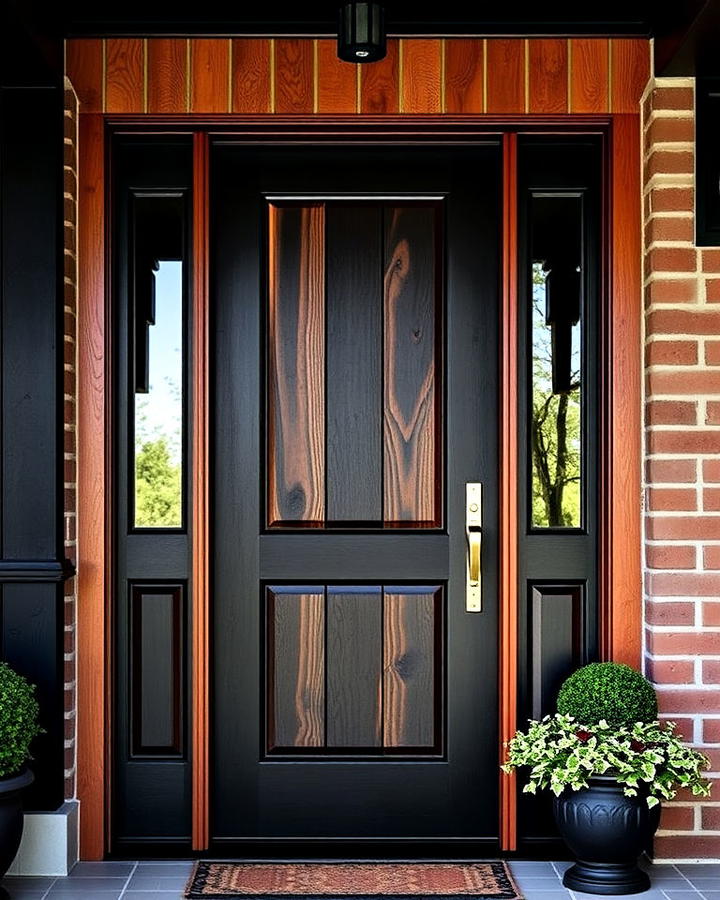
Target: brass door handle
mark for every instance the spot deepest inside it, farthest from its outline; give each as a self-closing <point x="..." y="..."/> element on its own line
<point x="473" y="532"/>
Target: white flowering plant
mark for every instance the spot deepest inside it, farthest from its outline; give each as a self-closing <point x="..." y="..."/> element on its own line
<point x="648" y="758"/>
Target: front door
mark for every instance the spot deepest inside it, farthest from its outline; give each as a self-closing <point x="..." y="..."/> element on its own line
<point x="355" y="295"/>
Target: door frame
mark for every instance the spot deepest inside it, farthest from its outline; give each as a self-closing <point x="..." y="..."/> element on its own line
<point x="620" y="597"/>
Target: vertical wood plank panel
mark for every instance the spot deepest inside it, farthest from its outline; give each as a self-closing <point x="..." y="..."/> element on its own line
<point x="354" y="667"/>
<point x="463" y="75"/>
<point x="589" y="75"/>
<point x="621" y="611"/>
<point x="630" y="71"/>
<point x="548" y="76"/>
<point x="294" y="77"/>
<point x="201" y="515"/>
<point x="420" y="76"/>
<point x="84" y="67"/>
<point x="354" y="364"/>
<point x="209" y="62"/>
<point x="124" y="75"/>
<point x="505" y="75"/>
<point x="93" y="735"/>
<point x="409" y="667"/>
<point x="380" y="83"/>
<point x="296" y="377"/>
<point x="297" y="677"/>
<point x="508" y="600"/>
<point x="251" y="75"/>
<point x="167" y="75"/>
<point x="337" y="80"/>
<point x="411" y="445"/>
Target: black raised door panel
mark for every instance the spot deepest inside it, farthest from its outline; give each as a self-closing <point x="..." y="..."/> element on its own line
<point x="354" y="296"/>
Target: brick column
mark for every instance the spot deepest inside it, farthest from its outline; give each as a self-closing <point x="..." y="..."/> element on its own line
<point x="69" y="421"/>
<point x="682" y="468"/>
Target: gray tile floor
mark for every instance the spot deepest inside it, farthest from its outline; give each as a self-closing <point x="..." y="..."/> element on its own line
<point x="166" y="880"/>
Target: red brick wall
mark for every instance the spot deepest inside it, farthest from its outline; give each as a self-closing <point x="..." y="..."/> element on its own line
<point x="682" y="466"/>
<point x="69" y="419"/>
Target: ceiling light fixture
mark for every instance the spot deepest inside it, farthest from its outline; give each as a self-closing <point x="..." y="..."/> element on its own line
<point x="361" y="32"/>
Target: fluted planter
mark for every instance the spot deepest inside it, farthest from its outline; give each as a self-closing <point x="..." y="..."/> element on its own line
<point x="11" y="816"/>
<point x="607" y="832"/>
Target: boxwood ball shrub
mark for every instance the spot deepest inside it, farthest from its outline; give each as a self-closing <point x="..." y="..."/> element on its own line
<point x="610" y="691"/>
<point x="18" y="720"/>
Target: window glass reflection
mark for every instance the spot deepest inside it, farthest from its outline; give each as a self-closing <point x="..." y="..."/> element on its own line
<point x="159" y="408"/>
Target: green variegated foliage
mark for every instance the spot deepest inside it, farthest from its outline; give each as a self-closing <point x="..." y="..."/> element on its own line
<point x="646" y="757"/>
<point x="18" y="720"/>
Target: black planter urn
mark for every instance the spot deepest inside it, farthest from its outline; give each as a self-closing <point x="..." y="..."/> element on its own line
<point x="11" y="816"/>
<point x="607" y="832"/>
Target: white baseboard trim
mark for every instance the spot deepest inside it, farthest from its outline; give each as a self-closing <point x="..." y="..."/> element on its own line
<point x="49" y="843"/>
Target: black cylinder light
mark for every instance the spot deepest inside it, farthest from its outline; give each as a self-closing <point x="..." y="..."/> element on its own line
<point x="361" y="32"/>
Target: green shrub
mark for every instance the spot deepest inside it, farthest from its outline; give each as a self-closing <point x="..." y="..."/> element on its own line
<point x="610" y="691"/>
<point x="18" y="720"/>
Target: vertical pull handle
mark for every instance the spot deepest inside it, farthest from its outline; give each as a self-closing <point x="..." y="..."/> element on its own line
<point x="473" y="532"/>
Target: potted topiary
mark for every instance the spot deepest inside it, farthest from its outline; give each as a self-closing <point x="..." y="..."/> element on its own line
<point x="18" y="727"/>
<point x="609" y="762"/>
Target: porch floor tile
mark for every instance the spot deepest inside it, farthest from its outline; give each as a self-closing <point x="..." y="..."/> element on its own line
<point x="165" y="879"/>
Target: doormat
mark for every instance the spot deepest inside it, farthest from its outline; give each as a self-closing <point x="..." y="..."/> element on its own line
<point x="359" y="881"/>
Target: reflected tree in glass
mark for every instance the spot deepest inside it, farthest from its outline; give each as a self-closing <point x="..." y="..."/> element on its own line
<point x="556" y="423"/>
<point x="158" y="412"/>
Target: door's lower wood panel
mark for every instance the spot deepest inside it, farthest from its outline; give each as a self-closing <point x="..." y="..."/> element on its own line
<point x="354" y="669"/>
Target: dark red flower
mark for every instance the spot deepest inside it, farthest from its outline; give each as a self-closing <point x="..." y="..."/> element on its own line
<point x="637" y="746"/>
<point x="583" y="736"/>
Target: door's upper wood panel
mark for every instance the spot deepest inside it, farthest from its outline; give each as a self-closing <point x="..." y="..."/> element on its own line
<point x="354" y="669"/>
<point x="354" y="365"/>
<point x="302" y="75"/>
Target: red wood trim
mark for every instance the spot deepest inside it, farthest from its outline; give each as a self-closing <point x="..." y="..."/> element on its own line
<point x="589" y="75"/>
<point x="124" y="75"/>
<point x="505" y="85"/>
<point x="200" y="500"/>
<point x="84" y="68"/>
<point x="621" y="589"/>
<point x="508" y="491"/>
<point x="92" y="491"/>
<point x="420" y="76"/>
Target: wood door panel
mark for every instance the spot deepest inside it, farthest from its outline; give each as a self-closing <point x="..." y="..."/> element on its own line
<point x="410" y="704"/>
<point x="411" y="486"/>
<point x="354" y="364"/>
<point x="296" y="401"/>
<point x="296" y="682"/>
<point x="354" y="660"/>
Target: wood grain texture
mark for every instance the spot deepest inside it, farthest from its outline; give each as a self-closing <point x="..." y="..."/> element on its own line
<point x="380" y="83"/>
<point x="464" y="75"/>
<point x="296" y="377"/>
<point x="200" y="511"/>
<point x="621" y="590"/>
<point x="411" y="444"/>
<point x="251" y="75"/>
<point x="589" y="75"/>
<point x="508" y="563"/>
<point x="93" y="663"/>
<point x="505" y="75"/>
<point x="420" y="77"/>
<point x="409" y="667"/>
<point x="354" y="667"/>
<point x="296" y="680"/>
<point x="337" y="80"/>
<point x="548" y="81"/>
<point x="209" y="76"/>
<point x="124" y="75"/>
<point x="294" y="75"/>
<point x="84" y="68"/>
<point x="167" y="75"/>
<point x="354" y="364"/>
<point x="630" y="67"/>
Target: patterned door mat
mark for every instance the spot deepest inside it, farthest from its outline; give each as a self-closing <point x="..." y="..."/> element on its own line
<point x="359" y="881"/>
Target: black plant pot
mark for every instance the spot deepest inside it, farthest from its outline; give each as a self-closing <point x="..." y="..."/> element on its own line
<point x="11" y="816"/>
<point x="607" y="832"/>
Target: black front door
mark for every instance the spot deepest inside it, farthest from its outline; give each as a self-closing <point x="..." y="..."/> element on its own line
<point x="355" y="353"/>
